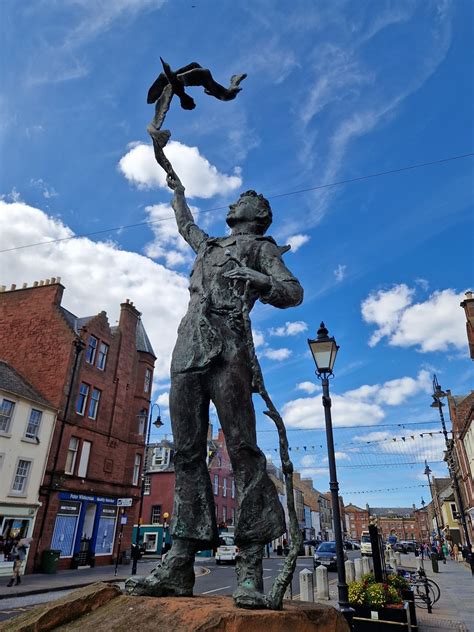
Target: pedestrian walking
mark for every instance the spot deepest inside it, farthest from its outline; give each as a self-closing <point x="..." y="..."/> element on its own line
<point x="18" y="555"/>
<point x="456" y="552"/>
<point x="445" y="551"/>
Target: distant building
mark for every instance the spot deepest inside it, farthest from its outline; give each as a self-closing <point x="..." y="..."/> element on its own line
<point x="99" y="378"/>
<point x="400" y="521"/>
<point x="357" y="520"/>
<point x="26" y="428"/>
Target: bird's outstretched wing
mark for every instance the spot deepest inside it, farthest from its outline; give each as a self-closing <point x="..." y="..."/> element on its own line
<point x="156" y="89"/>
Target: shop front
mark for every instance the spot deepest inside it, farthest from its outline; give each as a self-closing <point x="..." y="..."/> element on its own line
<point x="15" y="521"/>
<point x="84" y="529"/>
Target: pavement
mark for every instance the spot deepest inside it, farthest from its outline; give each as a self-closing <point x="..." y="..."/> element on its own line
<point x="455" y="609"/>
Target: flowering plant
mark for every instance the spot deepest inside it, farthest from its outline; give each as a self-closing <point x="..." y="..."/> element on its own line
<point x="368" y="592"/>
<point x="398" y="582"/>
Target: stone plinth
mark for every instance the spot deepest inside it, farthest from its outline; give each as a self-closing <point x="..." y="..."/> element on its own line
<point x="122" y="613"/>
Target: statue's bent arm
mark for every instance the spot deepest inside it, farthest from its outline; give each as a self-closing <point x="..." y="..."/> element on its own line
<point x="187" y="227"/>
<point x="285" y="290"/>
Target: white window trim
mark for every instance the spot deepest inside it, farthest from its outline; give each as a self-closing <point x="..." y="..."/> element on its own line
<point x="36" y="436"/>
<point x="216" y="485"/>
<point x="7" y="433"/>
<point x="71" y="472"/>
<point x="148" y="380"/>
<point x="84" y="459"/>
<point x="82" y="412"/>
<point x="106" y="355"/>
<point x="136" y="470"/>
<point x="94" y="356"/>
<point x="91" y="399"/>
<point x="24" y="492"/>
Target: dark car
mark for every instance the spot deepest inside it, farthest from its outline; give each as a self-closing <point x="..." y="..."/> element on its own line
<point x="326" y="555"/>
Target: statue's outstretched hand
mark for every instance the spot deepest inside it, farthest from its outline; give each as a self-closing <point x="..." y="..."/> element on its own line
<point x="175" y="184"/>
<point x="258" y="280"/>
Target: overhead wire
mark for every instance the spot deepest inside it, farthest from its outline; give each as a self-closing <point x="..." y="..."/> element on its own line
<point x="273" y="196"/>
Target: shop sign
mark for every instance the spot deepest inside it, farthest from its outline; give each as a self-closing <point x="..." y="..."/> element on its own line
<point x="91" y="499"/>
<point x="69" y="509"/>
<point x="109" y="511"/>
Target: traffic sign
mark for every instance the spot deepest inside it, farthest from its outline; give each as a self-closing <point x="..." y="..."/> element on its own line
<point x="124" y="502"/>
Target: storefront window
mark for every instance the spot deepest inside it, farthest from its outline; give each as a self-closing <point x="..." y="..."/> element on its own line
<point x="65" y="528"/>
<point x="106" y="531"/>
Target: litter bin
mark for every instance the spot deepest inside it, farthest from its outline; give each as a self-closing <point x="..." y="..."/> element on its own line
<point x="434" y="563"/>
<point x="279" y="550"/>
<point x="49" y="561"/>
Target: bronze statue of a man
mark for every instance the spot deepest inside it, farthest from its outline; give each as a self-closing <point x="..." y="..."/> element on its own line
<point x="212" y="362"/>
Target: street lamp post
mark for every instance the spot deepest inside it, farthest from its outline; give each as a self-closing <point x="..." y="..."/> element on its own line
<point x="157" y="423"/>
<point x="435" y="511"/>
<point x="324" y="350"/>
<point x="438" y="393"/>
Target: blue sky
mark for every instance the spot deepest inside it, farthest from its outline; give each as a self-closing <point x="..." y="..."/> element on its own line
<point x="334" y="91"/>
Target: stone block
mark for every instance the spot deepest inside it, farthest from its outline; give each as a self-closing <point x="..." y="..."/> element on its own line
<point x="186" y="614"/>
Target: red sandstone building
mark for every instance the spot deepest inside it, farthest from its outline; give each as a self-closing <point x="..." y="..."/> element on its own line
<point x="99" y="378"/>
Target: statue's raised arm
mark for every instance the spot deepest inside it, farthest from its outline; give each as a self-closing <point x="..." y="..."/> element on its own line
<point x="187" y="227"/>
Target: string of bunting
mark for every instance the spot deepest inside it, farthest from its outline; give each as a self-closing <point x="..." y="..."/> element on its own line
<point x="361" y="443"/>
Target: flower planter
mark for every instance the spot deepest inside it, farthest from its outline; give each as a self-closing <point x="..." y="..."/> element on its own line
<point x="385" y="619"/>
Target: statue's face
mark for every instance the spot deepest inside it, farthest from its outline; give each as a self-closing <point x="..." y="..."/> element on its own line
<point x="245" y="210"/>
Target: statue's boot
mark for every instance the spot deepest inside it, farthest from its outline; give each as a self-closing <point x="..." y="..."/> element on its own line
<point x="174" y="577"/>
<point x="249" y="567"/>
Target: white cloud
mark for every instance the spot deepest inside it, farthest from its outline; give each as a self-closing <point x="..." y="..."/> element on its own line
<point x="308" y="387"/>
<point x="384" y="309"/>
<point x="432" y="325"/>
<point x="258" y="338"/>
<point x="112" y="275"/>
<point x="289" y="329"/>
<point x="361" y="406"/>
<point x="340" y="456"/>
<point x="340" y="272"/>
<point x="168" y="243"/>
<point x="426" y="443"/>
<point x="47" y="190"/>
<point x="276" y="354"/>
<point x="200" y="178"/>
<point x="296" y="241"/>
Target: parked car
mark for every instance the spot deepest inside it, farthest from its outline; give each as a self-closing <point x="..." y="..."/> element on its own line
<point x="226" y="551"/>
<point x="365" y="544"/>
<point x="326" y="555"/>
<point x="351" y="545"/>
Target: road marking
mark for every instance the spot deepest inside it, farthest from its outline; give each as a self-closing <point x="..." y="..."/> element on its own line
<point x="268" y="569"/>
<point x="267" y="577"/>
<point x="215" y="590"/>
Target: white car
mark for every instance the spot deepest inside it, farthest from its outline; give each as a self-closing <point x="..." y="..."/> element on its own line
<point x="226" y="551"/>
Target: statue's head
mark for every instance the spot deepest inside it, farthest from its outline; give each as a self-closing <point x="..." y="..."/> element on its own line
<point x="251" y="207"/>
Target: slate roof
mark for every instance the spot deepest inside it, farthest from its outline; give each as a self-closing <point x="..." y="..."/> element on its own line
<point x="142" y="341"/>
<point x="440" y="484"/>
<point x="12" y="382"/>
<point x="389" y="512"/>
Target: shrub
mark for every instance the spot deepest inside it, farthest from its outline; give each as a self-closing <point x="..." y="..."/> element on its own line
<point x="368" y="592"/>
<point x="376" y="596"/>
<point x="398" y="582"/>
<point x="357" y="594"/>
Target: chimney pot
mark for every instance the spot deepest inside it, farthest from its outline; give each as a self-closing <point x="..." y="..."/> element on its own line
<point x="46" y="282"/>
<point x="35" y="284"/>
<point x="468" y="294"/>
<point x="58" y="279"/>
<point x="25" y="285"/>
<point x="12" y="287"/>
<point x="53" y="280"/>
<point x="41" y="283"/>
<point x="2" y="288"/>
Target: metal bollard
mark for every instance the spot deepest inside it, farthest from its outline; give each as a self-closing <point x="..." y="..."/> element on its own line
<point x="398" y="557"/>
<point x="394" y="565"/>
<point x="358" y="568"/>
<point x="306" y="585"/>
<point x="350" y="571"/>
<point x="365" y="565"/>
<point x="434" y="563"/>
<point x="322" y="583"/>
<point x="419" y="563"/>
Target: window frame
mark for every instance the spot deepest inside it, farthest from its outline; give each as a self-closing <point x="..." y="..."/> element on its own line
<point x="91" y="360"/>
<point x="224" y="488"/>
<point x="83" y="408"/>
<point x="216" y="485"/>
<point x="232" y="488"/>
<point x="102" y="356"/>
<point x="152" y="513"/>
<point x="6" y="431"/>
<point x="137" y="464"/>
<point x="84" y="460"/>
<point x="146" y="485"/>
<point x="24" y="491"/>
<point x="92" y="401"/>
<point x="147" y="381"/>
<point x="74" y="458"/>
<point x="30" y="435"/>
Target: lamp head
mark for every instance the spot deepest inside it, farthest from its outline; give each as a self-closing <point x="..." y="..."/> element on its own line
<point x="324" y="350"/>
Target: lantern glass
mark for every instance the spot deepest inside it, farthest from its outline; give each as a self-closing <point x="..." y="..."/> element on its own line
<point x="324" y="354"/>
